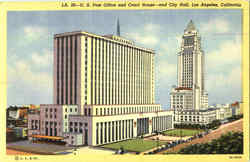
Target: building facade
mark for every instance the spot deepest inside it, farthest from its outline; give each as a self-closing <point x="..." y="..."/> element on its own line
<point x="101" y="70"/>
<point x="190" y="97"/>
<point x="108" y="82"/>
<point x="202" y="117"/>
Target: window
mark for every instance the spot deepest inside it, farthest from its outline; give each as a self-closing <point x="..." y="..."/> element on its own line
<point x="70" y="123"/>
<point x="89" y="111"/>
<point x="75" y="109"/>
<point x="70" y="109"/>
<point x="66" y="110"/>
<point x="85" y="112"/>
<point x="65" y="116"/>
<point x="80" y="124"/>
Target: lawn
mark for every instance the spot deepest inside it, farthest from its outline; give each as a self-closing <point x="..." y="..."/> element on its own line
<point x="182" y="132"/>
<point x="137" y="145"/>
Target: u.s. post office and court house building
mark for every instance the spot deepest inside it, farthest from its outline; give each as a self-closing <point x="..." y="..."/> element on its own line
<point x="103" y="92"/>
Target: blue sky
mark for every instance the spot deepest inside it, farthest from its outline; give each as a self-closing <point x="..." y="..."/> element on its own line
<point x="30" y="48"/>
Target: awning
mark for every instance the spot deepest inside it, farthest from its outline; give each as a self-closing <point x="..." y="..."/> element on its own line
<point x="47" y="137"/>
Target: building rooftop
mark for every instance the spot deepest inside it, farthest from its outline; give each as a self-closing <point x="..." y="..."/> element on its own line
<point x="183" y="88"/>
<point x="235" y="104"/>
<point x="113" y="38"/>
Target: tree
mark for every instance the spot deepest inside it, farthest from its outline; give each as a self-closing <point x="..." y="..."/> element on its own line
<point x="230" y="143"/>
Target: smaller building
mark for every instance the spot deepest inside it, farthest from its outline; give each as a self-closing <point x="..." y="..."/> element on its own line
<point x="181" y="98"/>
<point x="236" y="108"/>
<point x="202" y="117"/>
<point x="224" y="111"/>
<point x="100" y="124"/>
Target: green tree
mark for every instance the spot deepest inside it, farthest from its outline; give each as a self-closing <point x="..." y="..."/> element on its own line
<point x="230" y="143"/>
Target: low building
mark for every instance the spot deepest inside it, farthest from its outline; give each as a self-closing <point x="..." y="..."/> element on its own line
<point x="223" y="111"/>
<point x="236" y="108"/>
<point x="202" y="117"/>
<point x="105" y="125"/>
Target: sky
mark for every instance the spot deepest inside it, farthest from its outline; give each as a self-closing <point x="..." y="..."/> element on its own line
<point x="30" y="48"/>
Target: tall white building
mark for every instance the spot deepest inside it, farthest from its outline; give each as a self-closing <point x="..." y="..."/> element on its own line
<point x="190" y="94"/>
<point x="104" y="92"/>
<point x="191" y="88"/>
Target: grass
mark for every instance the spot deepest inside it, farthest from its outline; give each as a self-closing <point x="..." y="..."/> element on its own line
<point x="182" y="132"/>
<point x="135" y="145"/>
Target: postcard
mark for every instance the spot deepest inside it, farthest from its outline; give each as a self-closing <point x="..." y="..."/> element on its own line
<point x="131" y="80"/>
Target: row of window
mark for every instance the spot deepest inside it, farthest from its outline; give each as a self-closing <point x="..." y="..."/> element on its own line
<point x="50" y="110"/>
<point x="75" y="130"/>
<point x="70" y="109"/>
<point x="76" y="124"/>
<point x="51" y="116"/>
<point x="111" y="60"/>
<point x="35" y="124"/>
<point x="113" y="131"/>
<point x="161" y="123"/>
<point x="123" y="110"/>
<point x="65" y="57"/>
<point x="51" y="123"/>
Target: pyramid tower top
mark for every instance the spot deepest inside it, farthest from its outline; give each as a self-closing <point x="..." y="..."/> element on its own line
<point x="190" y="26"/>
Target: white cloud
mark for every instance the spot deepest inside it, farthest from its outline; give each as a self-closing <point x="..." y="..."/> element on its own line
<point x="146" y="39"/>
<point x="30" y="71"/>
<point x="148" y="36"/>
<point x="166" y="70"/>
<point x="225" y="88"/>
<point x="22" y="72"/>
<point x="34" y="32"/>
<point x="223" y="76"/>
<point x="224" y="80"/>
<point x="216" y="25"/>
<point x="43" y="60"/>
<point x="151" y="27"/>
<point x="228" y="54"/>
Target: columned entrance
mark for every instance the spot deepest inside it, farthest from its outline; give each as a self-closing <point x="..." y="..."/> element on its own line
<point x="142" y="126"/>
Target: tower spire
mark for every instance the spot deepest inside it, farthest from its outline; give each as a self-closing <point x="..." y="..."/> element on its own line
<point x="118" y="28"/>
<point x="190" y="26"/>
